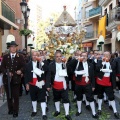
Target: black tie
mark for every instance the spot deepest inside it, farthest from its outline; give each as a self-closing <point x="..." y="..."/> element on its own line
<point x="40" y="66"/>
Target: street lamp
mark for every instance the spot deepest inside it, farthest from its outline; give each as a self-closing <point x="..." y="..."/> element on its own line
<point x="26" y="12"/>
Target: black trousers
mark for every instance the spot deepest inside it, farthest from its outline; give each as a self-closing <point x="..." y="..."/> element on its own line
<point x="13" y="103"/>
<point x="60" y="94"/>
<point x="86" y="89"/>
<point x="37" y="93"/>
<point x="108" y="90"/>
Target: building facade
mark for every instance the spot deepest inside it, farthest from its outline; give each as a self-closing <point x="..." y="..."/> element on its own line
<point x="111" y="8"/>
<point x="90" y="15"/>
<point x="7" y="21"/>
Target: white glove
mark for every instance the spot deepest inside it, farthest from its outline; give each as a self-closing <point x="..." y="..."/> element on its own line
<point x="106" y="70"/>
<point x="40" y="84"/>
<point x="38" y="72"/>
<point x="103" y="63"/>
<point x="86" y="79"/>
<point x="81" y="72"/>
<point x="42" y="63"/>
<point x="95" y="60"/>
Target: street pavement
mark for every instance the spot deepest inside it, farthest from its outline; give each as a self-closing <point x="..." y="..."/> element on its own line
<point x="26" y="109"/>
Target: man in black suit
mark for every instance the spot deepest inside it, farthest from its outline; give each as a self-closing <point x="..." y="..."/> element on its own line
<point x="12" y="62"/>
<point x="57" y="77"/>
<point x="106" y="82"/>
<point x="35" y="82"/>
<point x="84" y="81"/>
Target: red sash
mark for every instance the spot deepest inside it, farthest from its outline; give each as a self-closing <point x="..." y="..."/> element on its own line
<point x="82" y="82"/>
<point x="105" y="81"/>
<point x="58" y="85"/>
<point x="34" y="80"/>
<point x="118" y="75"/>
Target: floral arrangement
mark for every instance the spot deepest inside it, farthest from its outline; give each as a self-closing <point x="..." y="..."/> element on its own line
<point x="68" y="49"/>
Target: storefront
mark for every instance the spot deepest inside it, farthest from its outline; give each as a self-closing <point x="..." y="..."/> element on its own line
<point x="87" y="46"/>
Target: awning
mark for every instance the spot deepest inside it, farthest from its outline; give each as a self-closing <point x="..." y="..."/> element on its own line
<point x="90" y="44"/>
<point x="6" y="24"/>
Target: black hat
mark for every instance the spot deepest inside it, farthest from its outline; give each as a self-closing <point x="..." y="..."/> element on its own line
<point x="13" y="43"/>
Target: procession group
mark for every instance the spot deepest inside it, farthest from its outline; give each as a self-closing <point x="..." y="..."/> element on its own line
<point x="91" y="76"/>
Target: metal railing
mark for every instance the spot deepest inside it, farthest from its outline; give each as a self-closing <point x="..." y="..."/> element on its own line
<point x="7" y="12"/>
<point x="114" y="15"/>
<point x="95" y="11"/>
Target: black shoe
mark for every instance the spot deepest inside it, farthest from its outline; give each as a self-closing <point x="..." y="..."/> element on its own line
<point x="99" y="112"/>
<point x="77" y="114"/>
<point x="95" y="116"/>
<point x="106" y="101"/>
<point x="10" y="112"/>
<point x="33" y="114"/>
<point x="56" y="113"/>
<point x="110" y="107"/>
<point x="15" y="115"/>
<point x="68" y="117"/>
<point x="47" y="109"/>
<point x="88" y="107"/>
<point x="117" y="116"/>
<point x="44" y="117"/>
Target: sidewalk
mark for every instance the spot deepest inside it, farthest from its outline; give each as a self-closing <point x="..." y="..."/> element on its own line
<point x="117" y="96"/>
<point x="1" y="101"/>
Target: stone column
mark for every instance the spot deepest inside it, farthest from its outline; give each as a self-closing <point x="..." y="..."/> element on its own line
<point x="113" y="40"/>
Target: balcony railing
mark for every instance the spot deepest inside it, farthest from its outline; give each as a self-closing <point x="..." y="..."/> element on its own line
<point x="7" y="12"/>
<point x="90" y="35"/>
<point x="114" y="15"/>
<point x="95" y="11"/>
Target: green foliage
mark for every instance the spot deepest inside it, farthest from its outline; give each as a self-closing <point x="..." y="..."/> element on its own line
<point x="25" y="32"/>
<point x="41" y="36"/>
<point x="105" y="115"/>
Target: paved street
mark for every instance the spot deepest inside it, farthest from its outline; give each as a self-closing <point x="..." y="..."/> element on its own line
<point x="26" y="109"/>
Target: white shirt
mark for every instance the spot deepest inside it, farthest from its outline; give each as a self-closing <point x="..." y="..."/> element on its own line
<point x="60" y="78"/>
<point x="85" y="66"/>
<point x="34" y="66"/>
<point x="12" y="54"/>
<point x="57" y="77"/>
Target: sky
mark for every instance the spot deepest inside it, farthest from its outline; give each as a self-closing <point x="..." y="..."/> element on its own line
<point x="52" y="6"/>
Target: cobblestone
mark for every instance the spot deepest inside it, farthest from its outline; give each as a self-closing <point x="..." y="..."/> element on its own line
<point x="26" y="109"/>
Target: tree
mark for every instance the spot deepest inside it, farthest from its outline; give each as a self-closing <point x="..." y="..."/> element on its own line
<point x="42" y="37"/>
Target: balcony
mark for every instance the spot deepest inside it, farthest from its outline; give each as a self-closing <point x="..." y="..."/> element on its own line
<point x="95" y="12"/>
<point x="7" y="16"/>
<point x="113" y="19"/>
<point x="90" y="36"/>
<point x="103" y="2"/>
<point x="7" y="12"/>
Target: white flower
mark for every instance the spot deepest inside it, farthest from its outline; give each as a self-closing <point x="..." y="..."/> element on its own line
<point x="61" y="50"/>
<point x="64" y="46"/>
<point x="72" y="51"/>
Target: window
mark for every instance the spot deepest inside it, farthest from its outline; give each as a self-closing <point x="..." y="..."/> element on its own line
<point x="110" y="7"/>
<point x="105" y="11"/>
<point x="87" y="11"/>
